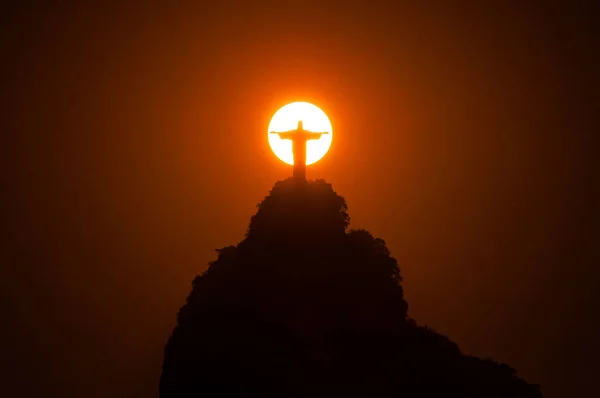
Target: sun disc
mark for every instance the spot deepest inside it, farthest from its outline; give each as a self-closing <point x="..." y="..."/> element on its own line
<point x="313" y="119"/>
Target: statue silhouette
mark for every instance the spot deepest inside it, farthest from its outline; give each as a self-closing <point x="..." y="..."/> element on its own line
<point x="299" y="138"/>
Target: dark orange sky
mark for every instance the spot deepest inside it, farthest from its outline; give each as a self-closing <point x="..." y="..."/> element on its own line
<point x="136" y="144"/>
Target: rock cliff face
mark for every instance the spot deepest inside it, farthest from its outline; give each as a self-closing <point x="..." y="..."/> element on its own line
<point x="305" y="307"/>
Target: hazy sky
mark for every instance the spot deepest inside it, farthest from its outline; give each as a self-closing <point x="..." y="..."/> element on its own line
<point x="135" y="140"/>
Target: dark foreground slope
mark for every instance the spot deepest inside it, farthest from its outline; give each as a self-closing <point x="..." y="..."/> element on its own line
<point x="303" y="307"/>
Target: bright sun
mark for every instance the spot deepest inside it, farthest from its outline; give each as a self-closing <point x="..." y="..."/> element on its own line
<point x="313" y="119"/>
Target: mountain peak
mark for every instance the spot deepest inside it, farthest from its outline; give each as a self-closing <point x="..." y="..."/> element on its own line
<point x="303" y="306"/>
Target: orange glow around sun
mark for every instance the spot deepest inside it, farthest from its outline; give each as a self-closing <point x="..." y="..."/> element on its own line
<point x="313" y="119"/>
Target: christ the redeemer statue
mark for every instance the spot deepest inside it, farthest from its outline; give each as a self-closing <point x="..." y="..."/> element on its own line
<point x="299" y="138"/>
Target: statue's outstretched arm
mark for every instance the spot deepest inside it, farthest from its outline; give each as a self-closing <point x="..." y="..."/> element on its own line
<point x="316" y="136"/>
<point x="285" y="135"/>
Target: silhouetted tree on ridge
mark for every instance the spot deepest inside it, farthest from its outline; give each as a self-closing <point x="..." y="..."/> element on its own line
<point x="303" y="306"/>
